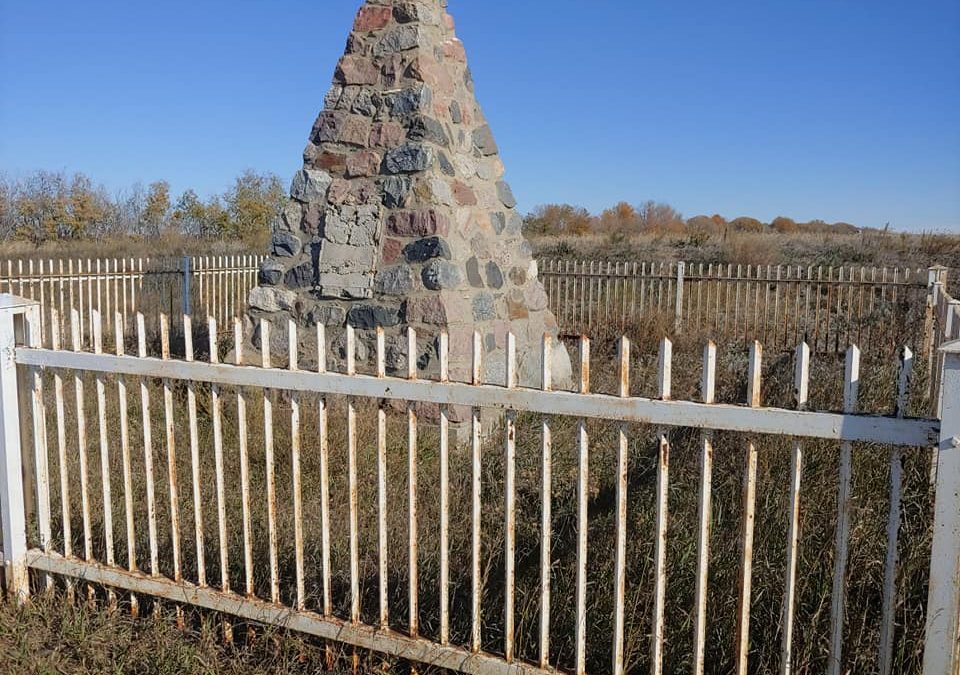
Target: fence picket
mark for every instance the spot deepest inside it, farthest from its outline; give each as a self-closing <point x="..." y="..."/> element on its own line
<point x="244" y="454"/>
<point x="754" y="382"/>
<point x="708" y="390"/>
<point x="60" y="413"/>
<point x="299" y="563"/>
<point x="844" y="497"/>
<point x="322" y="430"/>
<point x="510" y="503"/>
<point x="583" y="490"/>
<point x="101" y="394"/>
<point x="476" y="450"/>
<point x="216" y="412"/>
<point x="546" y="499"/>
<point x="887" y="618"/>
<point x="664" y="380"/>
<point x="620" y="556"/>
<point x="148" y="453"/>
<point x="270" y="466"/>
<point x="444" y="354"/>
<point x="125" y="456"/>
<point x="413" y="540"/>
<point x="195" y="456"/>
<point x="802" y="383"/>
<point x="382" y="488"/>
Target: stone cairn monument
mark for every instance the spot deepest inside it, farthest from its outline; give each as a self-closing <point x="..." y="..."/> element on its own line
<point x="401" y="217"/>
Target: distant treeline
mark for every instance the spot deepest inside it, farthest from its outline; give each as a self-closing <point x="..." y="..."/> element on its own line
<point x="50" y="206"/>
<point x="47" y="206"/>
<point x="656" y="218"/>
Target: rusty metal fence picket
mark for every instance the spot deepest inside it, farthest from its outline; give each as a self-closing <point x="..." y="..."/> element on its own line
<point x="185" y="555"/>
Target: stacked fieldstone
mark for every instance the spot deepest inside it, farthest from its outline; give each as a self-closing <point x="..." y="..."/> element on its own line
<point x="400" y="215"/>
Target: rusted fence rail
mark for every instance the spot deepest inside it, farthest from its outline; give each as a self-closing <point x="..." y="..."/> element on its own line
<point x="779" y="305"/>
<point x="138" y="538"/>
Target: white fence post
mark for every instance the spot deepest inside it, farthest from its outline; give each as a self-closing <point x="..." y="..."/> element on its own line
<point x="681" y="273"/>
<point x="13" y="516"/>
<point x="941" y="655"/>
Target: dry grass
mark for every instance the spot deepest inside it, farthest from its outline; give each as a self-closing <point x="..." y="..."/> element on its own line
<point x="170" y="245"/>
<point x="35" y="633"/>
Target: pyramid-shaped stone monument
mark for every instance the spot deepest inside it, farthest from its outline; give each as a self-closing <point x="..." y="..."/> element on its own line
<point x="400" y="216"/>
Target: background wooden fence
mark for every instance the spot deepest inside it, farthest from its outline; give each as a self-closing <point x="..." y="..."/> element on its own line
<point x="779" y="305"/>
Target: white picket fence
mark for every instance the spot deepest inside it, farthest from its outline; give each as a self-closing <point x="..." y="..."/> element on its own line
<point x="233" y="397"/>
<point x="206" y="285"/>
<point x="779" y="305"/>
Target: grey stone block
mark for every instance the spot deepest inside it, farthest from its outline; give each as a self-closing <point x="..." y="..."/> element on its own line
<point x="409" y="158"/>
<point x="441" y="275"/>
<point x="310" y="185"/>
<point x="286" y="244"/>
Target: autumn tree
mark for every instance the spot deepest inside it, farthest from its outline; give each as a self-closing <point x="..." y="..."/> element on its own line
<point x="189" y="215"/>
<point x="253" y="204"/>
<point x="156" y="208"/>
<point x="703" y="225"/>
<point x="620" y="219"/>
<point x="659" y="218"/>
<point x="194" y="217"/>
<point x="40" y="207"/>
<point x="746" y="224"/>
<point x="88" y="207"/>
<point x="557" y="219"/>
<point x="784" y="225"/>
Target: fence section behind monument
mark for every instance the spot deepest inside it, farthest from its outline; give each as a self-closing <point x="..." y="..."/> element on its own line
<point x="779" y="305"/>
<point x="205" y="285"/>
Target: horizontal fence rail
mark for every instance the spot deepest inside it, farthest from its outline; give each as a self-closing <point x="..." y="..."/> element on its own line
<point x="214" y="285"/>
<point x="467" y="522"/>
<point x="778" y="305"/>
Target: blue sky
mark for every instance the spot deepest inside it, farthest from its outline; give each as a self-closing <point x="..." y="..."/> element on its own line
<point x="834" y="109"/>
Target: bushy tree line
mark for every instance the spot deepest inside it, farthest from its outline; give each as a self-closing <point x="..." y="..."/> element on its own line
<point x="48" y="206"/>
<point x="657" y="218"/>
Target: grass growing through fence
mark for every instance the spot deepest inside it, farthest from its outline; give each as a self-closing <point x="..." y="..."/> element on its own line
<point x="38" y="630"/>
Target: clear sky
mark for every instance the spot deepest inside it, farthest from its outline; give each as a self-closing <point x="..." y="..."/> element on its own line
<point x="835" y="109"/>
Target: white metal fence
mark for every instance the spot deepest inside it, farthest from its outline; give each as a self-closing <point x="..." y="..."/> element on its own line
<point x="206" y="285"/>
<point x="778" y="305"/>
<point x="272" y="573"/>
